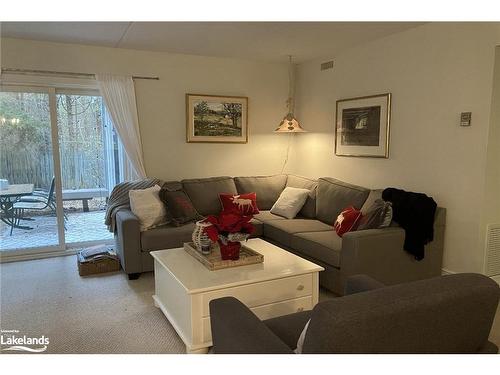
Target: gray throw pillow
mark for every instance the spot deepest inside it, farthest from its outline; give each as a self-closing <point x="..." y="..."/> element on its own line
<point x="372" y="197"/>
<point x="180" y="209"/>
<point x="379" y="215"/>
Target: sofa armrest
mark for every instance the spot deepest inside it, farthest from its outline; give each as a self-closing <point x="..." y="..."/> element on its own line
<point x="236" y="330"/>
<point x="361" y="283"/>
<point x="289" y="327"/>
<point x="128" y="241"/>
<point x="378" y="253"/>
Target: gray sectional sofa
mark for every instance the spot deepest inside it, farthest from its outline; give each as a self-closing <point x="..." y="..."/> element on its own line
<point x="420" y="317"/>
<point x="376" y="252"/>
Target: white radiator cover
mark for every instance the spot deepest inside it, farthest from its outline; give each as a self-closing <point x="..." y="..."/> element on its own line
<point x="492" y="256"/>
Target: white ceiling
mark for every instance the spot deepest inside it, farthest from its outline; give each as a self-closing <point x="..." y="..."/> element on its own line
<point x="262" y="41"/>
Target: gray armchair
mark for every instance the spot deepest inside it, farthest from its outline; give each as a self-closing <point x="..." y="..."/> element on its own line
<point x="446" y="314"/>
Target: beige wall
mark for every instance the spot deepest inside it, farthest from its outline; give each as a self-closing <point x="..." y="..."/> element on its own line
<point x="434" y="72"/>
<point x="161" y="104"/>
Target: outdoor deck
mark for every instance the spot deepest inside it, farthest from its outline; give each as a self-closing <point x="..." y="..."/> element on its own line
<point x="80" y="227"/>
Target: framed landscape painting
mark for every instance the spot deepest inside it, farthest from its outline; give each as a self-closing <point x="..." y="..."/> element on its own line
<point x="218" y="119"/>
<point x="362" y="126"/>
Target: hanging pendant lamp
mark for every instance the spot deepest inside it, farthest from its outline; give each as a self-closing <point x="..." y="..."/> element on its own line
<point x="290" y="124"/>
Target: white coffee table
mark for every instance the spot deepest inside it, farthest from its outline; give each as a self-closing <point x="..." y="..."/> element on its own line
<point x="283" y="284"/>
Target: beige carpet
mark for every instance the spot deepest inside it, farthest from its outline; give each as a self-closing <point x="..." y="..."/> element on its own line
<point x="100" y="314"/>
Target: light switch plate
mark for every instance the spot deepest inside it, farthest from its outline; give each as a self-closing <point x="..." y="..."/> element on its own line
<point x="465" y="118"/>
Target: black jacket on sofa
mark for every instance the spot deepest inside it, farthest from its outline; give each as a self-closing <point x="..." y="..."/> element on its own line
<point x="415" y="213"/>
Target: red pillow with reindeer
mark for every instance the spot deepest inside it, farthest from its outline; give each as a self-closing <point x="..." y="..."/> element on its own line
<point x="245" y="204"/>
<point x="347" y="220"/>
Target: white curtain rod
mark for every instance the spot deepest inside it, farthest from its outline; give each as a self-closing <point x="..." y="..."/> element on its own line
<point x="62" y="74"/>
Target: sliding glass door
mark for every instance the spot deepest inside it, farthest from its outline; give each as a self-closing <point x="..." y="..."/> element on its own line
<point x="59" y="161"/>
<point x="28" y="205"/>
<point x="87" y="164"/>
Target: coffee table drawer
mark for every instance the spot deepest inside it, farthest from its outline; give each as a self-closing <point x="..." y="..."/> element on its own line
<point x="269" y="311"/>
<point x="265" y="292"/>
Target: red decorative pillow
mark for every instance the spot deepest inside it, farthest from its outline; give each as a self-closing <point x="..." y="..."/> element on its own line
<point x="245" y="204"/>
<point x="347" y="220"/>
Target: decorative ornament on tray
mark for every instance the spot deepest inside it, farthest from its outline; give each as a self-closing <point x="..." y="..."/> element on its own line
<point x="200" y="237"/>
<point x="229" y="229"/>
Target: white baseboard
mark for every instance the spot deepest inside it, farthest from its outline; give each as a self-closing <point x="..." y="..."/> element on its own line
<point x="496" y="279"/>
<point x="49" y="252"/>
<point x="34" y="256"/>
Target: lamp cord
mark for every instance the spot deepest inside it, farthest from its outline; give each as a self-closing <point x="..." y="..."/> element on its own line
<point x="287" y="152"/>
<point x="291" y="86"/>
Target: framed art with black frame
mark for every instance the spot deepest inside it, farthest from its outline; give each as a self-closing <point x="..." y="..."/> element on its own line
<point x="362" y="126"/>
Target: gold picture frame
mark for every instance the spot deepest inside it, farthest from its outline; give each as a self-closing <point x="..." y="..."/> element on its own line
<point x="362" y="126"/>
<point x="216" y="119"/>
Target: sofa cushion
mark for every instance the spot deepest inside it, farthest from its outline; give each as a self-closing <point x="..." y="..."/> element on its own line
<point x="268" y="188"/>
<point x="379" y="215"/>
<point x="259" y="228"/>
<point x="180" y="209"/>
<point x="171" y="186"/>
<point x="170" y="237"/>
<point x="282" y="231"/>
<point x="148" y="207"/>
<point x="309" y="209"/>
<point x="347" y="221"/>
<point x="370" y="200"/>
<point x="290" y="202"/>
<point x="166" y="237"/>
<point x="265" y="216"/>
<point x="324" y="246"/>
<point x="245" y="204"/>
<point x="204" y="193"/>
<point x="334" y="195"/>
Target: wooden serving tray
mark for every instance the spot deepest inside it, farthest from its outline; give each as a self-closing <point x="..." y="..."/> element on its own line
<point x="214" y="262"/>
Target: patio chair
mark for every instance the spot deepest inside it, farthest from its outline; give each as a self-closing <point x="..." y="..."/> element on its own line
<point x="38" y="201"/>
<point x="41" y="198"/>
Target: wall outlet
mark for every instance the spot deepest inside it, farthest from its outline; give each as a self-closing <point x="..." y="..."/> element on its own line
<point x="465" y="118"/>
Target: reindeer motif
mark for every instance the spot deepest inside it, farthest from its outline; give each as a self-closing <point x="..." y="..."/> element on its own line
<point x="340" y="219"/>
<point x="243" y="204"/>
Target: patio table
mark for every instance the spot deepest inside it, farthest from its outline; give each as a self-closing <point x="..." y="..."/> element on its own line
<point x="7" y="199"/>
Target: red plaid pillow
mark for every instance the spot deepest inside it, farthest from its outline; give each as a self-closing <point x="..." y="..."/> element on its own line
<point x="245" y="204"/>
<point x="347" y="220"/>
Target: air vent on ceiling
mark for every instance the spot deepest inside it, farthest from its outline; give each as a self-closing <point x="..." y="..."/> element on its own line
<point x="327" y="65"/>
<point x="492" y="259"/>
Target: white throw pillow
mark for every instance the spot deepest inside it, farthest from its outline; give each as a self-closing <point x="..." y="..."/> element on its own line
<point x="290" y="202"/>
<point x="300" y="342"/>
<point x="148" y="207"/>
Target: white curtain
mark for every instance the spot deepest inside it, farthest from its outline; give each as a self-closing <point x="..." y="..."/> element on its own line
<point x="118" y="94"/>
